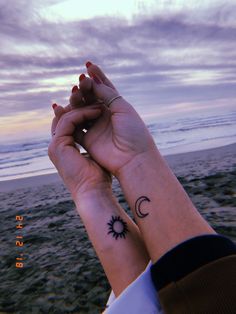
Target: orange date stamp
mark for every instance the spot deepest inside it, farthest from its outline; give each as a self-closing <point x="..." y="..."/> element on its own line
<point x="19" y="241"/>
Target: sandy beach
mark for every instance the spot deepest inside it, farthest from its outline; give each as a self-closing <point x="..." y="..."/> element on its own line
<point x="61" y="272"/>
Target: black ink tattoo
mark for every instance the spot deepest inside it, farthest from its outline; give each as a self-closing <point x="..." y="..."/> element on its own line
<point x="117" y="227"/>
<point x="138" y="203"/>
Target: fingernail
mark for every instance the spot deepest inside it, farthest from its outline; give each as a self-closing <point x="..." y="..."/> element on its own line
<point x="82" y="77"/>
<point x="96" y="79"/>
<point x="88" y="64"/>
<point x="54" y="106"/>
<point x="75" y="89"/>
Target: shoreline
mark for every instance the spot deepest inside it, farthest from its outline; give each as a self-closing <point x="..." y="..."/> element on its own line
<point x="175" y="161"/>
<point x="28" y="182"/>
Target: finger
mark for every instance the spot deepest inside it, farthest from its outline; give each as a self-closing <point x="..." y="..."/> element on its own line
<point x="100" y="92"/>
<point x="76" y="98"/>
<point x="93" y="69"/>
<point x="85" y="86"/>
<point x="68" y="108"/>
<point x="110" y="97"/>
<point x="104" y="90"/>
<point x="70" y="120"/>
<point x="79" y="136"/>
<point x="102" y="123"/>
<point x="53" y="126"/>
<point x="58" y="111"/>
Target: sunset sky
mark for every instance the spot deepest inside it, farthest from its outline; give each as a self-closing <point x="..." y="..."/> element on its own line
<point x="166" y="57"/>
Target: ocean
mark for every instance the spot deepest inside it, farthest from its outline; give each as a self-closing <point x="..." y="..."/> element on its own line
<point x="23" y="158"/>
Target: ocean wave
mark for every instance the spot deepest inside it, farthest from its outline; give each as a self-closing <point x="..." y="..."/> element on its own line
<point x="181" y="127"/>
<point x="15" y="166"/>
<point x="189" y="123"/>
<point x="219" y="137"/>
<point x="175" y="142"/>
<point x="23" y="147"/>
<point x="25" y="172"/>
<point x="13" y="159"/>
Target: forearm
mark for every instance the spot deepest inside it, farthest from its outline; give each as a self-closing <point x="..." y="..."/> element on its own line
<point x="117" y="243"/>
<point x="162" y="209"/>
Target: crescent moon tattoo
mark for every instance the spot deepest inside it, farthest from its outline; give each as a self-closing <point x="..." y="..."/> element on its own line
<point x="138" y="203"/>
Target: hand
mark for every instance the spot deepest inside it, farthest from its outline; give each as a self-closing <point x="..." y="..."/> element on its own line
<point x="119" y="135"/>
<point x="90" y="186"/>
<point x="81" y="174"/>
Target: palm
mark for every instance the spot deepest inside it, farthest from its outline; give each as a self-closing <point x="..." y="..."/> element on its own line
<point x="119" y="134"/>
<point x="81" y="173"/>
<point x="114" y="140"/>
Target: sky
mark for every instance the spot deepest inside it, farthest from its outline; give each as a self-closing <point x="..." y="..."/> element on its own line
<point x="166" y="57"/>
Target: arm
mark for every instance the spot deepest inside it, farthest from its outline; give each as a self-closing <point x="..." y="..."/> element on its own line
<point x="163" y="210"/>
<point x="150" y="187"/>
<point x="116" y="240"/>
<point x="114" y="236"/>
<point x="189" y="257"/>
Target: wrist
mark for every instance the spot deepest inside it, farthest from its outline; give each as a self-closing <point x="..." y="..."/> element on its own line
<point x="147" y="160"/>
<point x="92" y="198"/>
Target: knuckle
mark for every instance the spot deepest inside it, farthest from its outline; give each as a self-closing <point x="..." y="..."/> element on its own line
<point x="65" y="119"/>
<point x="57" y="145"/>
<point x="53" y="149"/>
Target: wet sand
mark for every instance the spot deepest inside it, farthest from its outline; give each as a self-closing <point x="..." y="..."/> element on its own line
<point x="61" y="272"/>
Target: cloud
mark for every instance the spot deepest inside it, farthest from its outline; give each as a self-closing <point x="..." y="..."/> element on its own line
<point x="161" y="57"/>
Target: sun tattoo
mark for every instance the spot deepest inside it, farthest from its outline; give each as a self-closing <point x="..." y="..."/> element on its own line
<point x="117" y="227"/>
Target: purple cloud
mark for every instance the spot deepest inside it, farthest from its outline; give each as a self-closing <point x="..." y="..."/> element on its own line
<point x="149" y="58"/>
